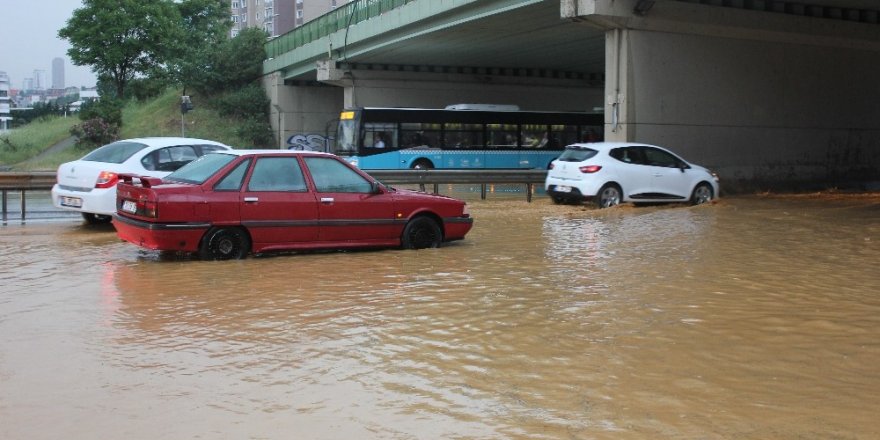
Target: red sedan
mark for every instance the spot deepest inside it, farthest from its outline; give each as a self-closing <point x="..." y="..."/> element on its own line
<point x="225" y="205"/>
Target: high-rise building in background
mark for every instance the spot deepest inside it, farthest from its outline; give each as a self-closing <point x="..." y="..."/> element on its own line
<point x="58" y="73"/>
<point x="278" y="17"/>
<point x="5" y="118"/>
<point x="39" y="80"/>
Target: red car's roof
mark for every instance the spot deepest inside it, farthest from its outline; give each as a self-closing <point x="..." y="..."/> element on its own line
<point x="273" y="152"/>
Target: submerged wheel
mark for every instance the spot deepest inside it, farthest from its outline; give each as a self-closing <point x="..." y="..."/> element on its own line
<point x="421" y="233"/>
<point x="609" y="195"/>
<point x="96" y="219"/>
<point x="557" y="200"/>
<point x="702" y="194"/>
<point x="224" y="244"/>
<point x="422" y="164"/>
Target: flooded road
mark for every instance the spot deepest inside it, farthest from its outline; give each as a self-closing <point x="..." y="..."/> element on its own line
<point x="754" y="318"/>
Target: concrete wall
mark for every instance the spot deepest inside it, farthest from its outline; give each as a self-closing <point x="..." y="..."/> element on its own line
<point x="437" y="91"/>
<point x="763" y="114"/>
<point x="304" y="116"/>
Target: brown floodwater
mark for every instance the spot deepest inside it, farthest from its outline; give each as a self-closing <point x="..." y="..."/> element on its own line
<point x="754" y="318"/>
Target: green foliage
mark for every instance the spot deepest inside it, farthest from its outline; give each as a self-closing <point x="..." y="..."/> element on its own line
<point x="94" y="132"/>
<point x="206" y="26"/>
<point x="122" y="38"/>
<point x="107" y="109"/>
<point x="257" y="131"/>
<point x="29" y="141"/>
<point x="205" y="22"/>
<point x="143" y="89"/>
<point x="249" y="101"/>
<point x="235" y="63"/>
<point x="40" y="110"/>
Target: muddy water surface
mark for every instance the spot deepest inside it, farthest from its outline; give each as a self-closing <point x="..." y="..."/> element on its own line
<point x="753" y="318"/>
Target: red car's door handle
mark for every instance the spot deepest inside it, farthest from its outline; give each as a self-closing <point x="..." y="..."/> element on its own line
<point x="251" y="199"/>
<point x="326" y="200"/>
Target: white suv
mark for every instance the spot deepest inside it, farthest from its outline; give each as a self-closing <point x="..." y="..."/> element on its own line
<point x="610" y="173"/>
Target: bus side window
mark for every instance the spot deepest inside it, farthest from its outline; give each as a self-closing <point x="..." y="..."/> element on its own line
<point x="502" y="136"/>
<point x="415" y="134"/>
<point x="380" y="135"/>
<point x="534" y="136"/>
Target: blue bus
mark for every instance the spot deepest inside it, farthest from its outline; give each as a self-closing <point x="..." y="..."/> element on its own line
<point x="453" y="138"/>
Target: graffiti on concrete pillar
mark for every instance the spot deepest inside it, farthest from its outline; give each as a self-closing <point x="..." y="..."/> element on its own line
<point x="309" y="142"/>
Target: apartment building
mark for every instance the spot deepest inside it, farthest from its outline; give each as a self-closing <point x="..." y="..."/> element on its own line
<point x="5" y="100"/>
<point x="278" y="17"/>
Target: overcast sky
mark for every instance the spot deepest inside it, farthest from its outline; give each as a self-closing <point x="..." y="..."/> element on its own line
<point x="29" y="41"/>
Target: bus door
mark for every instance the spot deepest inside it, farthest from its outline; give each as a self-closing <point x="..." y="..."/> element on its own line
<point x="502" y="146"/>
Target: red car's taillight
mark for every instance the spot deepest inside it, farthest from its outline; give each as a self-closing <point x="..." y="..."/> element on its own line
<point x="588" y="169"/>
<point x="107" y="179"/>
<point x="151" y="209"/>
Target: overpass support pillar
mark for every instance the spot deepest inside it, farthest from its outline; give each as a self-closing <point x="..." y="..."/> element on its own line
<point x="303" y="115"/>
<point x="617" y="86"/>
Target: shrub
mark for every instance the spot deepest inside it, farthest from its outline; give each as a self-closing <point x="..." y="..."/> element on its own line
<point x="247" y="102"/>
<point x="94" y="133"/>
<point x="107" y="109"/>
<point x="257" y="131"/>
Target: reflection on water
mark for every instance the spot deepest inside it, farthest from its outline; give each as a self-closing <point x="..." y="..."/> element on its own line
<point x="752" y="318"/>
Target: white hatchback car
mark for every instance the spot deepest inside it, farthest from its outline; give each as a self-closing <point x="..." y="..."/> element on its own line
<point x="610" y="173"/>
<point x="88" y="185"/>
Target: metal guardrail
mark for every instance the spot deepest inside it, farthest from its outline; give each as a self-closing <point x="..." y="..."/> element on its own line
<point x="22" y="182"/>
<point x="483" y="177"/>
<point x="43" y="181"/>
<point x="351" y="13"/>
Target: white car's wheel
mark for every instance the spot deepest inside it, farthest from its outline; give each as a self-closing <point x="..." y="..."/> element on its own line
<point x="702" y="194"/>
<point x="610" y="195"/>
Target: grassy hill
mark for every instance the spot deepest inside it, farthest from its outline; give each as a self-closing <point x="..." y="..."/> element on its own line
<point x="29" y="148"/>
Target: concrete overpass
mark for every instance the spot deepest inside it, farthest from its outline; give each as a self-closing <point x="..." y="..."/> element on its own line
<point x="769" y="93"/>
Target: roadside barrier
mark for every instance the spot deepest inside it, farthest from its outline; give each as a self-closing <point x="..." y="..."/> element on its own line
<point x="22" y="182"/>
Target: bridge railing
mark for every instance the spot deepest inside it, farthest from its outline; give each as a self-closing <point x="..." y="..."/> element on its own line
<point x="347" y="15"/>
<point x="43" y="181"/>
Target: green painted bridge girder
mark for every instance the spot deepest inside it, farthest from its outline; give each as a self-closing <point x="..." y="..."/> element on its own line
<point x="366" y="25"/>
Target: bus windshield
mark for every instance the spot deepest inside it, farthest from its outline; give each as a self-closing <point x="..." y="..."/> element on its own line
<point x="346" y="136"/>
<point x="395" y="138"/>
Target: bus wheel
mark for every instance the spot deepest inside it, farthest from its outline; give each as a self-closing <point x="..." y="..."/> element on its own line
<point x="422" y="164"/>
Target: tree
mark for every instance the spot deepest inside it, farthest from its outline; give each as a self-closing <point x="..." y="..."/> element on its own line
<point x="233" y="64"/>
<point x="120" y="39"/>
<point x="206" y="26"/>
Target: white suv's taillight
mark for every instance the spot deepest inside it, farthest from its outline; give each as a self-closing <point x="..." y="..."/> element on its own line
<point x="589" y="169"/>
